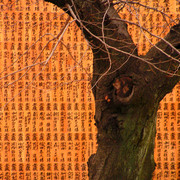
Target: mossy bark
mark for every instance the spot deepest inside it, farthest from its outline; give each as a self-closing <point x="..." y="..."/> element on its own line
<point x="126" y="146"/>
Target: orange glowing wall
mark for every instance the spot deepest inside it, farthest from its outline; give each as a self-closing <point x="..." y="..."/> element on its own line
<point x="46" y="105"/>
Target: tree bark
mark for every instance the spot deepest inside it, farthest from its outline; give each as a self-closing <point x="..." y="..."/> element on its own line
<point x="127" y="90"/>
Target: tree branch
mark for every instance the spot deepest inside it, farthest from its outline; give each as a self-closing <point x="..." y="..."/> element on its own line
<point x="166" y="57"/>
<point x="110" y="41"/>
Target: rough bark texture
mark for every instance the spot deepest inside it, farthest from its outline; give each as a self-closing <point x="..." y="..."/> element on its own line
<point x="127" y="96"/>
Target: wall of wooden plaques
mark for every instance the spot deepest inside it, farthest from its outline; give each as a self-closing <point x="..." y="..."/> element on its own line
<point x="46" y="105"/>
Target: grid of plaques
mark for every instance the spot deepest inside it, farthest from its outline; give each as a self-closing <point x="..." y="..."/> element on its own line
<point x="46" y="105"/>
<point x="47" y="108"/>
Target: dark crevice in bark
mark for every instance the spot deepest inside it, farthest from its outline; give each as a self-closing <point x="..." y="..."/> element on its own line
<point x="177" y="46"/>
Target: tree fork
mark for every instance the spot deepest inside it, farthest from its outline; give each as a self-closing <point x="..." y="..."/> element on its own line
<point x="127" y="90"/>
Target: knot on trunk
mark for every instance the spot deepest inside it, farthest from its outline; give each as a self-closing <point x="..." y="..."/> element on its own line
<point x="124" y="89"/>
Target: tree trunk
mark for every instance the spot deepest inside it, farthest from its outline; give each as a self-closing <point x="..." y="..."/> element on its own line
<point x="131" y="155"/>
<point x="127" y="90"/>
